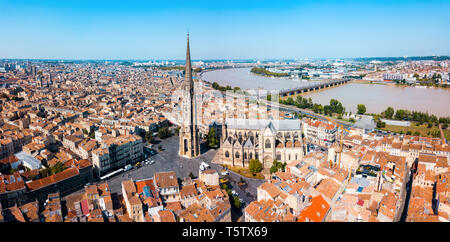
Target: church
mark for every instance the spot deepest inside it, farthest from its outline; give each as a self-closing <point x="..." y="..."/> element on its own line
<point x="263" y="139"/>
<point x="189" y="137"/>
<point x="241" y="139"/>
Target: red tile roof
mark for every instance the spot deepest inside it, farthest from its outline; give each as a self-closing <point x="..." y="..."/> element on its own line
<point x="63" y="175"/>
<point x="316" y="212"/>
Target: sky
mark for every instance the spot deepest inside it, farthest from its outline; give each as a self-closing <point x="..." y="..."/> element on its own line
<point x="232" y="29"/>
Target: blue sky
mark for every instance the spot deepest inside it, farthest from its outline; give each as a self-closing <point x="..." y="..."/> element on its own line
<point x="222" y="29"/>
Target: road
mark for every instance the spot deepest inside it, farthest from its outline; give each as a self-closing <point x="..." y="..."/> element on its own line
<point x="291" y="108"/>
<point x="404" y="213"/>
<point x="442" y="133"/>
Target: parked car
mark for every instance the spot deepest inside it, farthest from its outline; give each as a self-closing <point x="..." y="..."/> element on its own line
<point x="128" y="167"/>
<point x="152" y="162"/>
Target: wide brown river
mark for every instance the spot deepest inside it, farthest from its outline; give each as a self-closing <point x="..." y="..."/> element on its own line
<point x="376" y="97"/>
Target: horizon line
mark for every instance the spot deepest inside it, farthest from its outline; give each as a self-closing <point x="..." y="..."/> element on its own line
<point x="210" y="59"/>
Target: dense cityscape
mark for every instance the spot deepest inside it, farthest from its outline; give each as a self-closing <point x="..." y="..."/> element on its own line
<point x="224" y="120"/>
<point x="104" y="141"/>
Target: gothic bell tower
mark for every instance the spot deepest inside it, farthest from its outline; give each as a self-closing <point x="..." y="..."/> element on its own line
<point x="189" y="139"/>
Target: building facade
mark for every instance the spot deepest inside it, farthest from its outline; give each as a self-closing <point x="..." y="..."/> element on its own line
<point x="266" y="140"/>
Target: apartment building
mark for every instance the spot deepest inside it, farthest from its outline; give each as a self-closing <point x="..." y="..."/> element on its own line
<point x="319" y="132"/>
<point x="116" y="152"/>
<point x="166" y="183"/>
<point x="133" y="204"/>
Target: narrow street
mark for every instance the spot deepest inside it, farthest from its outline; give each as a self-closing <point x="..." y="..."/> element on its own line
<point x="408" y="196"/>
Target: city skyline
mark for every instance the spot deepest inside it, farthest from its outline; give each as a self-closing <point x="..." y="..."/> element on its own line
<point x="360" y="140"/>
<point x="249" y="30"/>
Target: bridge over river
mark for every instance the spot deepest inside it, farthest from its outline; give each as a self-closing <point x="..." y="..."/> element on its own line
<point x="309" y="87"/>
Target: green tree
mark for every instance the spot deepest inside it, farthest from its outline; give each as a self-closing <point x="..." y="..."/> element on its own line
<point x="361" y="108"/>
<point x="317" y="108"/>
<point x="58" y="167"/>
<point x="388" y="113"/>
<point x="327" y="110"/>
<point x="92" y="134"/>
<point x="277" y="166"/>
<point x="149" y="137"/>
<point x="237" y="203"/>
<point x="290" y="101"/>
<point x="225" y="187"/>
<point x="255" y="166"/>
<point x="274" y="167"/>
<point x="212" y="140"/>
<point x="164" y="132"/>
<point x="191" y="175"/>
<point x="299" y="101"/>
<point x="381" y="124"/>
<point x="336" y="106"/>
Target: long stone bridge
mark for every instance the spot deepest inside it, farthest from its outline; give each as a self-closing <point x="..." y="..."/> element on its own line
<point x="309" y="87"/>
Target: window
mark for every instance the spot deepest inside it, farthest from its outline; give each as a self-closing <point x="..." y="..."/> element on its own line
<point x="237" y="155"/>
<point x="267" y="146"/>
<point x="186" y="146"/>
<point x="227" y="154"/>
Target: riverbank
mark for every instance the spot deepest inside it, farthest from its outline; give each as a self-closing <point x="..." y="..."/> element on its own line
<point x="376" y="97"/>
<point x="421" y="130"/>
<point x="265" y="72"/>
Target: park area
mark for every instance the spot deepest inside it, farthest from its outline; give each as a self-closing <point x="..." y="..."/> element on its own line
<point x="418" y="130"/>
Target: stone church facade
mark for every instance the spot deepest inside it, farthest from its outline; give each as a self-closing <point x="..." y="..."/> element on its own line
<point x="266" y="140"/>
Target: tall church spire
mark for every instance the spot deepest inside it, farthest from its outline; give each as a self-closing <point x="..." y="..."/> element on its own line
<point x="189" y="137"/>
<point x="188" y="68"/>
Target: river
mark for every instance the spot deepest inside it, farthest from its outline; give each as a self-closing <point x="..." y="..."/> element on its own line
<point x="376" y="97"/>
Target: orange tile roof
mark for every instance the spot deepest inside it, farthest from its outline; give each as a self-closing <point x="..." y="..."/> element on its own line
<point x="166" y="179"/>
<point x="166" y="216"/>
<point x="316" y="212"/>
<point x="63" y="175"/>
<point x="8" y="160"/>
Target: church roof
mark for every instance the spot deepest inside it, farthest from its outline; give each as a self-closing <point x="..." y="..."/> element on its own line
<point x="226" y="143"/>
<point x="237" y="144"/>
<point x="248" y="143"/>
<point x="260" y="124"/>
